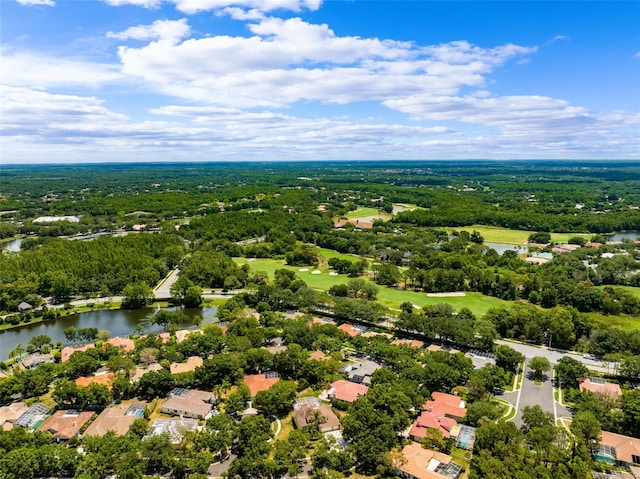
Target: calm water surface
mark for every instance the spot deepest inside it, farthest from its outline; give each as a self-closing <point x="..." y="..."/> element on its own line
<point x="118" y="322"/>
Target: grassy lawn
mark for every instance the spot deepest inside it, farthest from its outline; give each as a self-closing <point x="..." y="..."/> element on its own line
<point x="493" y="234"/>
<point x="364" y="212"/>
<point x="287" y="427"/>
<point x="623" y="321"/>
<point x="635" y="290"/>
<point x="390" y="297"/>
<point x="326" y="254"/>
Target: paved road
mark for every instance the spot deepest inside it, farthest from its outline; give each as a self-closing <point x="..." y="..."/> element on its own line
<point x="554" y="355"/>
<point x="163" y="290"/>
<point x="532" y="394"/>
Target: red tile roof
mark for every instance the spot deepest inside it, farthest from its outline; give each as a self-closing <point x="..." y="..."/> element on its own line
<point x="259" y="382"/>
<point x="346" y="390"/>
<point x="432" y="420"/>
<point x="609" y="389"/>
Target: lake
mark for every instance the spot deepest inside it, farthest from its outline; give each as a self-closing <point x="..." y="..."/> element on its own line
<point x="501" y="248"/>
<point x="622" y="235"/>
<point x="119" y="322"/>
<point x="13" y="245"/>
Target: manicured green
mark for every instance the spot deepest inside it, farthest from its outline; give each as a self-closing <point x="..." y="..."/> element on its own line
<point x="390" y="297"/>
<point x="494" y="234"/>
<point x="365" y="212"/>
<point x="326" y="254"/>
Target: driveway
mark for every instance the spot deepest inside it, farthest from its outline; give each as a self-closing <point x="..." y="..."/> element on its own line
<point x="532" y="394"/>
<point x="163" y="290"/>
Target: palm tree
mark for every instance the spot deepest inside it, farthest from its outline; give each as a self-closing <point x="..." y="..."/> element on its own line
<point x="17" y="352"/>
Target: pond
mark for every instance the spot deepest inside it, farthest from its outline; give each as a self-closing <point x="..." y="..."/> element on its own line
<point x="501" y="248"/>
<point x="622" y="235"/>
<point x="13" y="245"/>
<point x="119" y="322"/>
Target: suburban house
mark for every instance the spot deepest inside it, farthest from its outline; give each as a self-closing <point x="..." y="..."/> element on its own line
<point x="117" y="419"/>
<point x="33" y="417"/>
<point x="305" y="415"/>
<point x="318" y="356"/>
<point x="351" y="329"/>
<point x="359" y="224"/>
<point x="189" y="365"/>
<point x="125" y="344"/>
<point x="260" y="382"/>
<point x="431" y="420"/>
<point x="618" y="450"/>
<point x="34" y="360"/>
<point x="175" y="428"/>
<point x="346" y="391"/>
<point x="67" y="351"/>
<point x="65" y="424"/>
<point x="448" y="405"/>
<point x="412" y="343"/>
<point x="141" y="371"/>
<point x="24" y="307"/>
<point x="10" y="414"/>
<point x="182" y="334"/>
<point x="362" y="371"/>
<point x="189" y="403"/>
<point x="421" y="463"/>
<point x="598" y="385"/>
<point x="102" y="378"/>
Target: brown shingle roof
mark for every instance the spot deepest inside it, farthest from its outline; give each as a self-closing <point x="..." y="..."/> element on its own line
<point x="65" y="424"/>
<point x="303" y="417"/>
<point x="190" y="365"/>
<point x="111" y="419"/>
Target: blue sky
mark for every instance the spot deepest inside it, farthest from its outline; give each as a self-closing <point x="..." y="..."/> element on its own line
<point x="210" y="80"/>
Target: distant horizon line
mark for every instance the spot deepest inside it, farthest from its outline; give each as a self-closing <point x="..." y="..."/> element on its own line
<point x="204" y="162"/>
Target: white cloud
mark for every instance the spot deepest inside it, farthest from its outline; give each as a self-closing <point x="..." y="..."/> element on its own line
<point x="286" y="61"/>
<point x="139" y="3"/>
<point x="557" y="38"/>
<point x="196" y="6"/>
<point x="44" y="126"/>
<point x="48" y="3"/>
<point x="165" y="30"/>
<point x="26" y="69"/>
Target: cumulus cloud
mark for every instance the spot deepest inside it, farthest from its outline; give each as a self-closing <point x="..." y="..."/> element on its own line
<point x="196" y="6"/>
<point x="164" y="30"/>
<point x="288" y="60"/>
<point x="48" y="3"/>
<point x="26" y="69"/>
<point x="138" y="3"/>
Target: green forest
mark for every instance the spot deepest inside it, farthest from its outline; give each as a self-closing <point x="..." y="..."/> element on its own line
<point x="396" y="249"/>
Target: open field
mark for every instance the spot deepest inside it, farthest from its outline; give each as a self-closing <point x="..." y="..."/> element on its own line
<point x="494" y="234"/>
<point x="623" y="321"/>
<point x="390" y="297"/>
<point x="365" y="212"/>
<point x="326" y="254"/>
<point x="635" y="290"/>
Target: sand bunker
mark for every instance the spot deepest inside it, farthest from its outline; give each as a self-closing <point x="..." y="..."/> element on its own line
<point x="455" y="294"/>
<point x="333" y="273"/>
<point x="251" y="259"/>
<point x="302" y="270"/>
<point x="316" y="271"/>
